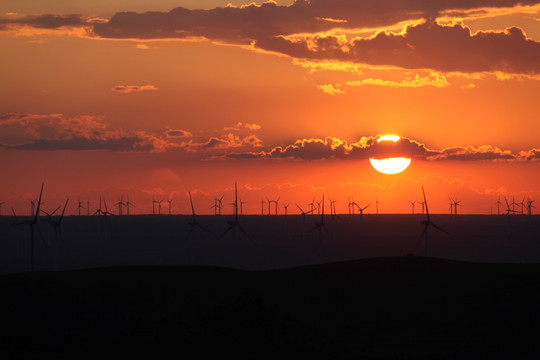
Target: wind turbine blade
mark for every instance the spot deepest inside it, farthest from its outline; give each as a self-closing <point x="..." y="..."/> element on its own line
<point x="245" y="233"/>
<point x="191" y="201"/>
<point x="63" y="211"/>
<point x="39" y="202"/>
<point x="202" y="227"/>
<point x="366" y="207"/>
<point x="328" y="232"/>
<point x="423" y="232"/>
<point x="55" y="210"/>
<point x="226" y="231"/>
<point x="440" y="229"/>
<point x="425" y="203"/>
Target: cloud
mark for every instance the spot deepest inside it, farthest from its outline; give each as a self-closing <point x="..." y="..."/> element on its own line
<point x="436" y="80"/>
<point x="243" y="126"/>
<point x="301" y="30"/>
<point x="126" y="89"/>
<point x="330" y="89"/>
<point x="428" y="45"/>
<point x="85" y="132"/>
<point x="369" y="147"/>
<point x="241" y="24"/>
<point x="178" y="133"/>
<point x="229" y="141"/>
<point x="47" y="21"/>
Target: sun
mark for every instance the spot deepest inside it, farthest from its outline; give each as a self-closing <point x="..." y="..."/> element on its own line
<point x="390" y="165"/>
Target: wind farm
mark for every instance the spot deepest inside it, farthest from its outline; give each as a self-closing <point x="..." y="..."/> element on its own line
<point x="281" y="179"/>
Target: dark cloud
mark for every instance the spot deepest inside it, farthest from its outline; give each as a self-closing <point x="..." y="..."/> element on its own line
<point x="245" y="23"/>
<point x="426" y="45"/>
<point x="369" y="147"/>
<point x="47" y="21"/>
<point x="82" y="143"/>
<point x="85" y="132"/>
<point x="177" y="133"/>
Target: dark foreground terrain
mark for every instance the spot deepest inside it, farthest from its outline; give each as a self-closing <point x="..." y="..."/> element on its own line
<point x="383" y="308"/>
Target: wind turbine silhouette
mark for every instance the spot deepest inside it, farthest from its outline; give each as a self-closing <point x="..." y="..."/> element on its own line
<point x="285" y="207"/>
<point x="498" y="203"/>
<point x="193" y="223"/>
<point x="362" y="209"/>
<point x="99" y="211"/>
<point x="120" y="203"/>
<point x="128" y="204"/>
<point x="33" y="223"/>
<point x="170" y="204"/>
<point x="427" y="223"/>
<point x="79" y="206"/>
<point x="277" y="203"/>
<point x="412" y="206"/>
<point x="154" y="202"/>
<point x="234" y="223"/>
<point x="320" y="226"/>
<point x="530" y="206"/>
<point x="106" y="212"/>
<point x="58" y="232"/>
<point x="508" y="210"/>
<point x="456" y="203"/>
<point x="242" y="206"/>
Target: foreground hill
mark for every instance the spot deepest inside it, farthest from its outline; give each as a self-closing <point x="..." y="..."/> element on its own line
<point x="383" y="308"/>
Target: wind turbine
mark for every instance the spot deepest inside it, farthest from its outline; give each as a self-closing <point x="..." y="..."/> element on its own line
<point x="80" y="206"/>
<point x="530" y="206"/>
<point x="58" y="231"/>
<point x="498" y="203"/>
<point x="362" y="209"/>
<point x="285" y="207"/>
<point x="320" y="226"/>
<point x="242" y="206"/>
<point x="276" y="202"/>
<point x="33" y="222"/>
<point x="193" y="223"/>
<point x="377" y="207"/>
<point x="159" y="206"/>
<point x="234" y="223"/>
<point x="220" y="206"/>
<point x="456" y="203"/>
<point x="312" y="205"/>
<point x="332" y="206"/>
<point x="120" y="203"/>
<point x="508" y="210"/>
<point x="412" y="206"/>
<point x="106" y="212"/>
<point x="99" y="211"/>
<point x="170" y="204"/>
<point x="427" y="223"/>
<point x="128" y="204"/>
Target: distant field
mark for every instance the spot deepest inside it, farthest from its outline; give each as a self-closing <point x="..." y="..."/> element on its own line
<point x="275" y="241"/>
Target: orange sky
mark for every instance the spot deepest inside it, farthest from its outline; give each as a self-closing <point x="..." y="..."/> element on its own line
<point x="285" y="98"/>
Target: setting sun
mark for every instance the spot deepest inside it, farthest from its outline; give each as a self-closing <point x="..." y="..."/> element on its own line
<point x="391" y="165"/>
